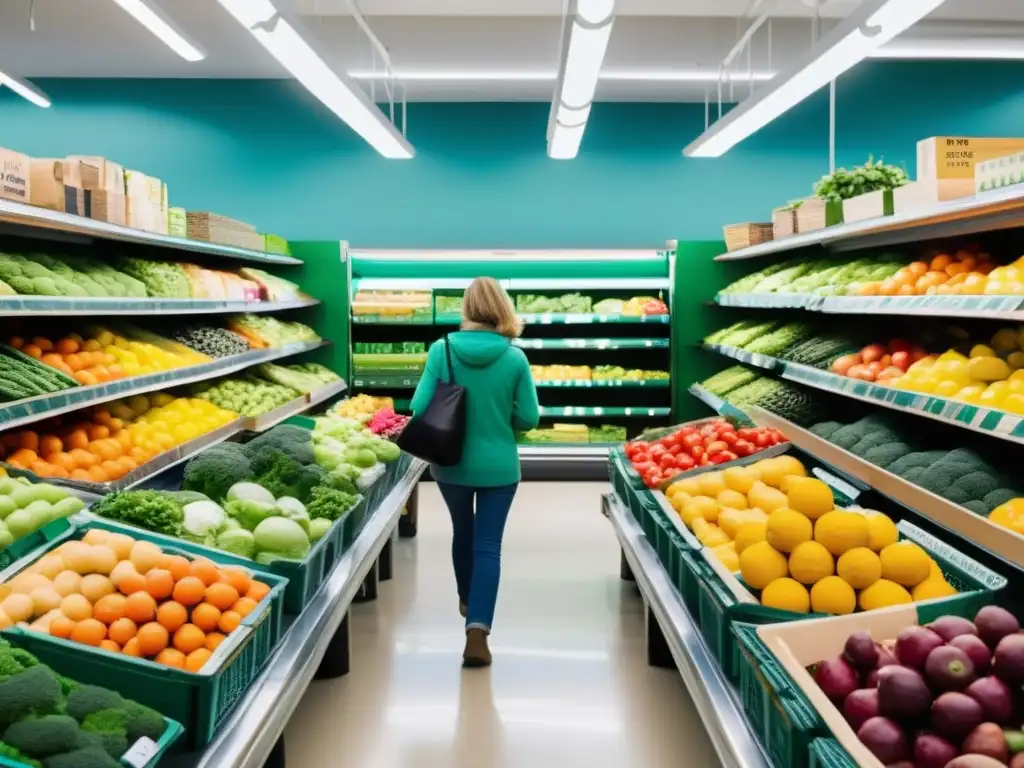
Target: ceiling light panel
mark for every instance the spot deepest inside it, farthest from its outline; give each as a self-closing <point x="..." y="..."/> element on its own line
<point x="149" y="15"/>
<point x="284" y="40"/>
<point x="25" y="89"/>
<point x="588" y="29"/>
<point x="870" y="26"/>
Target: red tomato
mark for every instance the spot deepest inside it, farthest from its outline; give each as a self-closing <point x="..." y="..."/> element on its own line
<point x="697" y="451"/>
<point x="716" y="447"/>
<point x="632" y="449"/>
<point x="672" y="472"/>
<point x="704" y="460"/>
<point x="687" y="431"/>
<point x="779" y="437"/>
<point x="666" y="442"/>
<point x="747" y="433"/>
<point x="653" y="479"/>
<point x="693" y="439"/>
<point x="744" y="447"/>
<point x="657" y="450"/>
<point x="729" y="438"/>
<point x="723" y="456"/>
<point x="675" y="449"/>
<point x="685" y="461"/>
<point x="641" y="458"/>
<point x="643" y="467"/>
<point x="763" y="440"/>
<point x="667" y="460"/>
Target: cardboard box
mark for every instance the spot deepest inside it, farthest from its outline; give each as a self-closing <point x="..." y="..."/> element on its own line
<point x="954" y="157"/>
<point x="55" y="185"/>
<point x="871" y="205"/>
<point x="919" y="195"/>
<point x="999" y="172"/>
<point x="816" y="213"/>
<point x="147" y="202"/>
<point x="110" y="207"/>
<point x="15" y="176"/>
<point x="108" y="176"/>
<point x="177" y="224"/>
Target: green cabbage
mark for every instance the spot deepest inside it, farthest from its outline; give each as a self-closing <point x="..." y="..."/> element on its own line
<point x="281" y="537"/>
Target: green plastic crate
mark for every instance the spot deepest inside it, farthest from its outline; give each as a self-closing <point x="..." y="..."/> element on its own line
<point x="827" y="753"/>
<point x="37" y="538"/>
<point x="688" y="580"/>
<point x="200" y="701"/>
<point x="620" y="465"/>
<point x="718" y="607"/>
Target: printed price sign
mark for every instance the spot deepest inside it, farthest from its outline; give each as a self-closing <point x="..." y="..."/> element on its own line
<point x="141" y="752"/>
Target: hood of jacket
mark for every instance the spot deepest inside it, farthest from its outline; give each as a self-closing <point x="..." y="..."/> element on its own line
<point x="478" y="348"/>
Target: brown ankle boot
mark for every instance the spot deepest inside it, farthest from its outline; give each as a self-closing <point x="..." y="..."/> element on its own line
<point x="477" y="654"/>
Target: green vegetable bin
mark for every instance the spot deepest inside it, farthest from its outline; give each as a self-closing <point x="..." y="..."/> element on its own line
<point x="720" y="604"/>
<point x="38" y="538"/>
<point x="171" y="734"/>
<point x="620" y="470"/>
<point x="826" y="753"/>
<point x="200" y="701"/>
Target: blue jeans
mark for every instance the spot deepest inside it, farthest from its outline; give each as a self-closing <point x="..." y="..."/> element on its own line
<point x="476" y="545"/>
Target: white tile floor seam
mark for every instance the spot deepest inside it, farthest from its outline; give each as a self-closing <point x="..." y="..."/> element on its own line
<point x="570" y="685"/>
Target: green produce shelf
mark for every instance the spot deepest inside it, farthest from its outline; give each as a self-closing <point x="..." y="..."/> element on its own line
<point x="43" y="222"/>
<point x="983" y="212"/>
<point x="767" y="300"/>
<point x="596" y="411"/>
<point x="514" y="284"/>
<point x="987" y="421"/>
<point x="200" y="701"/>
<point x="299" y="405"/>
<point x="592" y="343"/>
<point x="55" y="306"/>
<point x="714" y="698"/>
<point x="544" y="318"/>
<point x="986" y="307"/>
<point x="718" y="405"/>
<point x="766" y="362"/>
<point x="20" y="412"/>
<point x="406" y="382"/>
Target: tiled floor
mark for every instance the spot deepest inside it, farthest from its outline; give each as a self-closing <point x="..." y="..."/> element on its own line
<point x="569" y="687"/>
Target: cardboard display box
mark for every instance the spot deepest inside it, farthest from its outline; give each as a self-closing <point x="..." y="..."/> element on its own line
<point x="954" y="157"/>
<point x="918" y="195"/>
<point x="871" y="205"/>
<point x="57" y="186"/>
<point x="15" y="176"/>
<point x="105" y="176"/>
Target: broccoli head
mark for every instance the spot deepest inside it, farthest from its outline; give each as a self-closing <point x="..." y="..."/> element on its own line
<point x="977" y="485"/>
<point x="294" y="442"/>
<point x="868" y="442"/>
<point x="86" y="699"/>
<point x="884" y="455"/>
<point x="110" y="727"/>
<point x="143" y="721"/>
<point x="33" y="692"/>
<point x="214" y="471"/>
<point x="914" y="474"/>
<point x="283" y="476"/>
<point x="12" y="754"/>
<point x="825" y="429"/>
<point x="920" y="459"/>
<point x="999" y="497"/>
<point x="941" y="475"/>
<point x="14" y="660"/>
<point x="977" y="507"/>
<point x="44" y="736"/>
<point x="88" y="757"/>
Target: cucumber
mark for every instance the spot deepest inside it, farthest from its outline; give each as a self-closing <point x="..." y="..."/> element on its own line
<point x="34" y="375"/>
<point x="17" y="354"/>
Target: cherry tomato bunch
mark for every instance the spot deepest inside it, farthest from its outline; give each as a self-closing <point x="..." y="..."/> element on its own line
<point x="715" y="442"/>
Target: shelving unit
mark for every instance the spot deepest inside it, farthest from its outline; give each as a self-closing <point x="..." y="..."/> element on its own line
<point x="48" y="306"/>
<point x="629" y="341"/>
<point x="296" y="407"/>
<point x="981" y="307"/>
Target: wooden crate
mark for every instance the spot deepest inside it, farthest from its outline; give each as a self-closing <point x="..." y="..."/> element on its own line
<point x="783" y="222"/>
<point x="739" y="236"/>
<point x="817" y="213"/>
<point x="213" y="228"/>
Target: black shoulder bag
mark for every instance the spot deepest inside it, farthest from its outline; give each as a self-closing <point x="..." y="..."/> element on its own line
<point x="437" y="434"/>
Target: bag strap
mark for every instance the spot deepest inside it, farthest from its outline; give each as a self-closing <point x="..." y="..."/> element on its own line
<point x="448" y="354"/>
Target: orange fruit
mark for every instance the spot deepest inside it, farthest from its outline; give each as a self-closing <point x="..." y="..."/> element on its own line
<point x="237" y="578"/>
<point x="244" y="606"/>
<point x="89" y="632"/>
<point x="258" y="591"/>
<point x="229" y="621"/>
<point x="188" y="638"/>
<point x="169" y="657"/>
<point x="95" y="586"/>
<point x="98" y="474"/>
<point x="189" y="591"/>
<point x="81" y="474"/>
<point x="195" y="660"/>
<point x="83" y="458"/>
<point x="61" y="626"/>
<point x="179" y="566"/>
<point x="131" y="582"/>
<point x="76" y="607"/>
<point x="122" y="630"/>
<point x="221" y="596"/>
<point x="213" y="639"/>
<point x="109" y="608"/>
<point x="98" y="432"/>
<point x="206" y="617"/>
<point x="79" y="439"/>
<point x="159" y="583"/>
<point x="205" y="571"/>
<point x="29" y="441"/>
<point x="172" y="615"/>
<point x="110" y="645"/>
<point x="152" y="639"/>
<point x="140" y="607"/>
<point x="131" y="648"/>
<point x="49" y="444"/>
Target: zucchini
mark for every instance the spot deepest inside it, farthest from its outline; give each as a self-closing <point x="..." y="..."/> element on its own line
<point x="17" y="354"/>
<point x="34" y="374"/>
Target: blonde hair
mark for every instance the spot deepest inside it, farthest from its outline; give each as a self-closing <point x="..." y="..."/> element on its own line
<point x="486" y="306"/>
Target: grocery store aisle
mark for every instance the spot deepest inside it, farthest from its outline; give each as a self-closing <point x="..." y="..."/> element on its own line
<point x="569" y="687"/>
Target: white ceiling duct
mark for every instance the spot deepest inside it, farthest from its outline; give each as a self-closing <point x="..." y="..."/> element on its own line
<point x="871" y="25"/>
<point x="588" y="26"/>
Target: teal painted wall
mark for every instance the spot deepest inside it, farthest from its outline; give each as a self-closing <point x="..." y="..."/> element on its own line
<point x="265" y="152"/>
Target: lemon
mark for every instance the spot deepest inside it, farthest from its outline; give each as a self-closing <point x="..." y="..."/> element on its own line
<point x="882" y="531"/>
<point x="678" y="500"/>
<point x="810" y="562"/>
<point x="711" y="483"/>
<point x="771" y="471"/>
<point x="790" y="466"/>
<point x="905" y="563"/>
<point x="931" y="588"/>
<point x="787" y="529"/>
<point x="699" y="507"/>
<point x="809" y="496"/>
<point x="715" y="537"/>
<point x="833" y="595"/>
<point x="859" y="567"/>
<point x="740" y="479"/>
<point x="730" y="520"/>
<point x="761" y="564"/>
<point x="786" y="595"/>
<point x="841" y="531"/>
<point x="701" y="528"/>
<point x="730" y="498"/>
<point x="882" y="594"/>
<point x="765" y="497"/>
<point x="688" y="485"/>
<point x="750" y="532"/>
<point x="726" y="554"/>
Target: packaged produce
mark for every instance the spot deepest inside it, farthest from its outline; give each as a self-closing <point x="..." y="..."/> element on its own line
<point x="271" y="287"/>
<point x="123" y="595"/>
<point x="715" y="441"/>
<point x="43" y="275"/>
<point x="211" y="340"/>
<point x="52" y="721"/>
<point x="644" y="305"/>
<point x="25" y="507"/>
<point x="361" y="406"/>
<point x="267" y="331"/>
<point x="304" y="377"/>
<point x="392" y="304"/>
<point x="162" y="279"/>
<point x="22" y="376"/>
<point x="843" y="184"/>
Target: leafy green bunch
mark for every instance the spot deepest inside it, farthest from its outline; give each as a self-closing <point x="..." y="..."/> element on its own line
<point x="870" y="177"/>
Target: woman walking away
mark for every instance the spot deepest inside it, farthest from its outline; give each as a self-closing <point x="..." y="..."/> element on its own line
<point x="500" y="399"/>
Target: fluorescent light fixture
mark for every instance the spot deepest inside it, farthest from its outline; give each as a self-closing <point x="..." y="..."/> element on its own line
<point x="25" y="89"/>
<point x="871" y="25"/>
<point x="160" y="24"/>
<point x="587" y="31"/>
<point x="285" y="42"/>
<point x="996" y="49"/>
<point x="517" y="76"/>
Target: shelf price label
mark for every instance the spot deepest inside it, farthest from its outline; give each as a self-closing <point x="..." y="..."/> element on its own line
<point x="141" y="753"/>
<point x="578" y="317"/>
